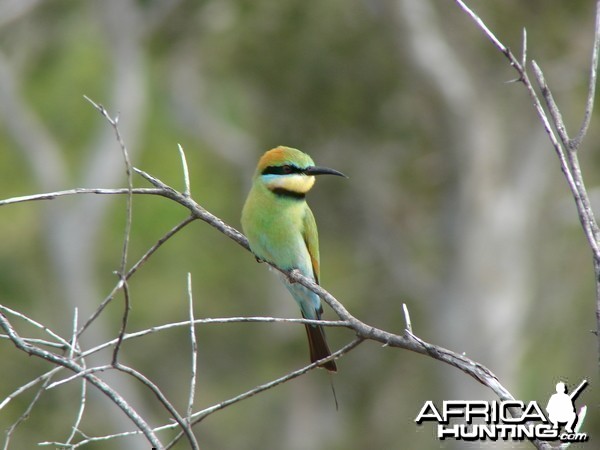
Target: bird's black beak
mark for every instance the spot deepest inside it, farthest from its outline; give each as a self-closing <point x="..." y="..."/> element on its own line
<point x="315" y="170"/>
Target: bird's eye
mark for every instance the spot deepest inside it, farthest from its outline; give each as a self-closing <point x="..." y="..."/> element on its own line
<point x="287" y="168"/>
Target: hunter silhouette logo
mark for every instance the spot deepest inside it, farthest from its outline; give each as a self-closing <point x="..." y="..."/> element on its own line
<point x="473" y="420"/>
<point x="561" y="406"/>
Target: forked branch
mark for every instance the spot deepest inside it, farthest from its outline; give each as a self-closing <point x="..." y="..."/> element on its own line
<point x="566" y="148"/>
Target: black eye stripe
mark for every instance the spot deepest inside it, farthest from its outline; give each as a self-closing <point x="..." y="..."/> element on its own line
<point x="282" y="170"/>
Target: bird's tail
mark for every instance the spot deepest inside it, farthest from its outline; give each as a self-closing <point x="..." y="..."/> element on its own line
<point x="318" y="346"/>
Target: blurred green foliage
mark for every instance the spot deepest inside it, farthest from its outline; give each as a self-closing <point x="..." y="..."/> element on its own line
<point x="336" y="79"/>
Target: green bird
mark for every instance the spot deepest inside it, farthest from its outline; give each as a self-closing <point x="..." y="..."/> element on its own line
<point x="281" y="230"/>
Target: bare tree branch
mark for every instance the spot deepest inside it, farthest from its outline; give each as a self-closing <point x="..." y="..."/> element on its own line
<point x="97" y="382"/>
<point x="407" y="341"/>
<point x="565" y="148"/>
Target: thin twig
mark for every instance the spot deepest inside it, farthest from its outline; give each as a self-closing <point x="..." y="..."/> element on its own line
<point x="215" y="321"/>
<point x="185" y="426"/>
<point x="192" y="396"/>
<point x="186" y="173"/>
<point x="589" y="107"/>
<point x="407" y="318"/>
<point x="491" y="36"/>
<point x="35" y="341"/>
<point x="40" y="379"/>
<point x="555" y="113"/>
<point x="135" y="267"/>
<point x="73" y="345"/>
<point x="79" y="417"/>
<point x="77" y="191"/>
<point x="114" y="122"/>
<point x="63" y="342"/>
<point x="26" y="413"/>
<point x="201" y="415"/>
<point x="82" y="402"/>
<point x="80" y="374"/>
<point x="124" y="319"/>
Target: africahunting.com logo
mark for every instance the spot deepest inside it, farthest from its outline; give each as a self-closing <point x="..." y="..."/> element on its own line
<point x="509" y="420"/>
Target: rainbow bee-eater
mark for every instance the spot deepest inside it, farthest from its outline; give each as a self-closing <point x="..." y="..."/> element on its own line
<point x="281" y="230"/>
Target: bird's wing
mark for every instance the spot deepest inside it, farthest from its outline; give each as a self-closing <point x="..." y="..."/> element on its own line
<point x="311" y="239"/>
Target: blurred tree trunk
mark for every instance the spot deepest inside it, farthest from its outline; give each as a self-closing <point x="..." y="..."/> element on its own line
<point x="490" y="208"/>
